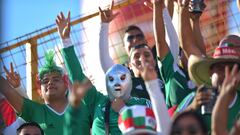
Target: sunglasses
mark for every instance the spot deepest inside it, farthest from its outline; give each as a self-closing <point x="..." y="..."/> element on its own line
<point x="191" y="129"/>
<point x="47" y="80"/>
<point x="137" y="36"/>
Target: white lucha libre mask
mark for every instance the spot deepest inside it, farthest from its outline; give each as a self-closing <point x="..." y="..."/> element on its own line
<point x="118" y="82"/>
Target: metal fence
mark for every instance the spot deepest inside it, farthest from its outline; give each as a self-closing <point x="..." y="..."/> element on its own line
<point x="221" y="17"/>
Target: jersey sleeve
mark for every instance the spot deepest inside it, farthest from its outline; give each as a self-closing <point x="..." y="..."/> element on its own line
<point x="29" y="109"/>
<point x="76" y="74"/>
<point x="159" y="106"/>
<point x="74" y="116"/>
<point x="72" y="64"/>
<point x="105" y="59"/>
<point x="171" y="35"/>
<point x="167" y="67"/>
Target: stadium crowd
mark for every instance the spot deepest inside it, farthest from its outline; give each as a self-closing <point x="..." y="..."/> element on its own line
<point x="172" y="88"/>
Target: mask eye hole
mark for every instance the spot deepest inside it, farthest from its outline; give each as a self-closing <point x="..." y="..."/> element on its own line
<point x="123" y="77"/>
<point x="110" y="78"/>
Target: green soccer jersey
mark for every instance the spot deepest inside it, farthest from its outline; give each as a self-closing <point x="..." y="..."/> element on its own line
<point x="139" y="88"/>
<point x="233" y="111"/>
<point x="177" y="84"/>
<point x="94" y="102"/>
<point x="53" y="123"/>
<point x="77" y="120"/>
<point x="98" y="106"/>
<point x="98" y="122"/>
<point x="50" y="121"/>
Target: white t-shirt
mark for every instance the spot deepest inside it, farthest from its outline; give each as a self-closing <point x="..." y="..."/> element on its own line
<point x="12" y="129"/>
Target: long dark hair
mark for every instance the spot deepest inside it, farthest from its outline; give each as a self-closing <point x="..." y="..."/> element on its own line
<point x="191" y="114"/>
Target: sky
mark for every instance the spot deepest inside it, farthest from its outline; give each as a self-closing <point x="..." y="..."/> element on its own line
<point x="19" y="18"/>
<point x="22" y="17"/>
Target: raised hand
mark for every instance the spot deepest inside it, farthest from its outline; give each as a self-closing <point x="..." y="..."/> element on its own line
<point x="221" y="108"/>
<point x="236" y="128"/>
<point x="12" y="77"/>
<point x="231" y="80"/>
<point x="107" y="15"/>
<point x="11" y="95"/>
<point x="147" y="70"/>
<point x="183" y="3"/>
<point x="63" y="25"/>
<point x="78" y="91"/>
<point x="196" y="16"/>
<point x="200" y="98"/>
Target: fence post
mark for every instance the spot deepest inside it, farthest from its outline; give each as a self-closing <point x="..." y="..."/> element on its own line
<point x="32" y="69"/>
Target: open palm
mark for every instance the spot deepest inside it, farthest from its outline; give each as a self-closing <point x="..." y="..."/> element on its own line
<point x="63" y="25"/>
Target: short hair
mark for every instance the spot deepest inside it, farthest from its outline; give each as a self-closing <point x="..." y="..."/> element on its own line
<point x="138" y="47"/>
<point x="27" y="124"/>
<point x="133" y="27"/>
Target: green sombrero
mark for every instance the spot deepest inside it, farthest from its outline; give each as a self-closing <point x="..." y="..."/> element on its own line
<point x="228" y="51"/>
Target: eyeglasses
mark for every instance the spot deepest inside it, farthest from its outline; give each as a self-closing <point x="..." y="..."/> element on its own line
<point x="137" y="36"/>
<point x="191" y="129"/>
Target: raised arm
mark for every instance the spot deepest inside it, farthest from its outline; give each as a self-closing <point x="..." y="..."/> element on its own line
<point x="14" y="80"/>
<point x="170" y="6"/>
<point x="106" y="17"/>
<point x="158" y="28"/>
<point x="72" y="64"/>
<point x="11" y="88"/>
<point x="11" y="95"/>
<point x="171" y="34"/>
<point x="159" y="106"/>
<point x="228" y="91"/>
<point x="71" y="61"/>
<point x="186" y="35"/>
<point x="195" y="20"/>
